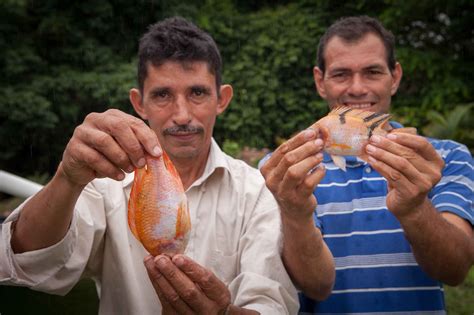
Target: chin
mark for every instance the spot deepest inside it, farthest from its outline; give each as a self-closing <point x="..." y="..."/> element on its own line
<point x="184" y="153"/>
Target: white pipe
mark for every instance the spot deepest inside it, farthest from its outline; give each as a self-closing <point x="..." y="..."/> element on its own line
<point x="17" y="186"/>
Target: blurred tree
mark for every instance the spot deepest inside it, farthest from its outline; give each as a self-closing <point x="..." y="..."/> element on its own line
<point x="61" y="60"/>
<point x="455" y="124"/>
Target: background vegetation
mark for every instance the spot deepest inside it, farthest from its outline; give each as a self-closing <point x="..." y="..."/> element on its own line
<point x="61" y="60"/>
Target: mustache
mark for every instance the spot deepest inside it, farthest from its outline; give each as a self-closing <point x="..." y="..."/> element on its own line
<point x="182" y="129"/>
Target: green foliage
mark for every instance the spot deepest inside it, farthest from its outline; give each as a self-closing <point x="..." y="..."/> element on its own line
<point x="62" y="60"/>
<point x="455" y="124"/>
<point x="231" y="147"/>
<point x="459" y="300"/>
<point x="271" y="54"/>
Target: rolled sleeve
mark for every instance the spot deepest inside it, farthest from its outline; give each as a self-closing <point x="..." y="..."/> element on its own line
<point x="57" y="268"/>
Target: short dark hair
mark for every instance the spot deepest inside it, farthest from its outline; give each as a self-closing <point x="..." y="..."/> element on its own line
<point x="177" y="39"/>
<point x="352" y="29"/>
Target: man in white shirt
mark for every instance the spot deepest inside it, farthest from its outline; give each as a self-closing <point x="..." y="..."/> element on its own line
<point x="77" y="225"/>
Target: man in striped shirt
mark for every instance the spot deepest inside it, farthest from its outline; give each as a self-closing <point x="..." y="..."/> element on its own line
<point x="398" y="225"/>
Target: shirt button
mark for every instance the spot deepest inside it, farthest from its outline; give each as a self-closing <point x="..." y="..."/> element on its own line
<point x="368" y="170"/>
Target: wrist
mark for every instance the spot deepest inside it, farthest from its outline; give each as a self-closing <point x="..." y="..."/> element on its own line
<point x="417" y="213"/>
<point x="65" y="180"/>
<point x="296" y="220"/>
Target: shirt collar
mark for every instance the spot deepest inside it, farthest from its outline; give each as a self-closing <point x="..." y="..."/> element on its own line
<point x="216" y="159"/>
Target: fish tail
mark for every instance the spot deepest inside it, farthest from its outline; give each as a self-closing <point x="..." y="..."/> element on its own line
<point x="376" y="122"/>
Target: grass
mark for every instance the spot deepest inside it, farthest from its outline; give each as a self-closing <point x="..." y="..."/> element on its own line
<point x="81" y="300"/>
<point x="460" y="299"/>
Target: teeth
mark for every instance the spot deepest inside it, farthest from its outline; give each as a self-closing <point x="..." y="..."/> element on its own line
<point x="359" y="106"/>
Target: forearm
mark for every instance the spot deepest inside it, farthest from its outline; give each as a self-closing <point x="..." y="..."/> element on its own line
<point x="307" y="258"/>
<point x="443" y="250"/>
<point x="45" y="218"/>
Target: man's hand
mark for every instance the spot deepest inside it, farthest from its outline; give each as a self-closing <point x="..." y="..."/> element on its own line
<point x="442" y="242"/>
<point x="185" y="287"/>
<point x="411" y="166"/>
<point x="291" y="174"/>
<point x="105" y="145"/>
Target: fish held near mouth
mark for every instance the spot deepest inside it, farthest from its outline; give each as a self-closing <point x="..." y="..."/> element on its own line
<point x="158" y="213"/>
<point x="346" y="131"/>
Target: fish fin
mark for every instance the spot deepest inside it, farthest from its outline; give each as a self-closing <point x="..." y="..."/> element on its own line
<point x="340" y="161"/>
<point x="170" y="167"/>
<point x="132" y="208"/>
<point x="324" y="133"/>
<point x="183" y="221"/>
<point x="371" y="120"/>
<point x="409" y="130"/>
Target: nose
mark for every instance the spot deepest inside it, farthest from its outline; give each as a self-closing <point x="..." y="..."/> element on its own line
<point x="182" y="112"/>
<point x="357" y="86"/>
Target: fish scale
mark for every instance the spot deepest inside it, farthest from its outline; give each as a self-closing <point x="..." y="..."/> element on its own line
<point x="158" y="213"/>
<point x="346" y="131"/>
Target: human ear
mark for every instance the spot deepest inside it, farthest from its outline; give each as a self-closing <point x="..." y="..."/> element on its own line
<point x="397" y="74"/>
<point x="318" y="76"/>
<point x="226" y="93"/>
<point x="137" y="102"/>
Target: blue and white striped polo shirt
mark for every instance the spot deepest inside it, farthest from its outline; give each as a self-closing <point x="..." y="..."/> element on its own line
<point x="376" y="271"/>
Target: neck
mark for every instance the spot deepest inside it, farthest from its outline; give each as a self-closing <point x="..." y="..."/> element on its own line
<point x="190" y="169"/>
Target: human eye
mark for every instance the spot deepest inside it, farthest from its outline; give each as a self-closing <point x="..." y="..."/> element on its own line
<point x="160" y="96"/>
<point x="374" y="73"/>
<point x="339" y="75"/>
<point x="199" y="93"/>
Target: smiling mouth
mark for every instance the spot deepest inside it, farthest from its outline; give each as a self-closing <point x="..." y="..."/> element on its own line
<point x="358" y="105"/>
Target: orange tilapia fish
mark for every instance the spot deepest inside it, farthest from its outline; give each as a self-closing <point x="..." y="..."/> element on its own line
<point x="346" y="131"/>
<point x="158" y="212"/>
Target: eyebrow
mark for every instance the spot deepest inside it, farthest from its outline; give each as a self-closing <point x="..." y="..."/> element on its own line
<point x="201" y="87"/>
<point x="346" y="69"/>
<point x="159" y="89"/>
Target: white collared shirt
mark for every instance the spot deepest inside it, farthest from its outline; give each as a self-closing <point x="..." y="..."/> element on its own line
<point x="235" y="233"/>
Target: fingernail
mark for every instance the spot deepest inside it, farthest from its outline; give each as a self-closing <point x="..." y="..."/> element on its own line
<point x="319" y="155"/>
<point x="309" y="133"/>
<point x="129" y="169"/>
<point x="157" y="151"/>
<point x="375" y="138"/>
<point x="147" y="258"/>
<point x="120" y="176"/>
<point x="179" y="261"/>
<point x="141" y="162"/>
<point x="392" y="136"/>
<point x="370" y="148"/>
<point x="160" y="261"/>
<point x="318" y="142"/>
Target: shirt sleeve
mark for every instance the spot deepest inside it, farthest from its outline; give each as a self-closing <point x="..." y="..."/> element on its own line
<point x="56" y="269"/>
<point x="454" y="192"/>
<point x="263" y="283"/>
